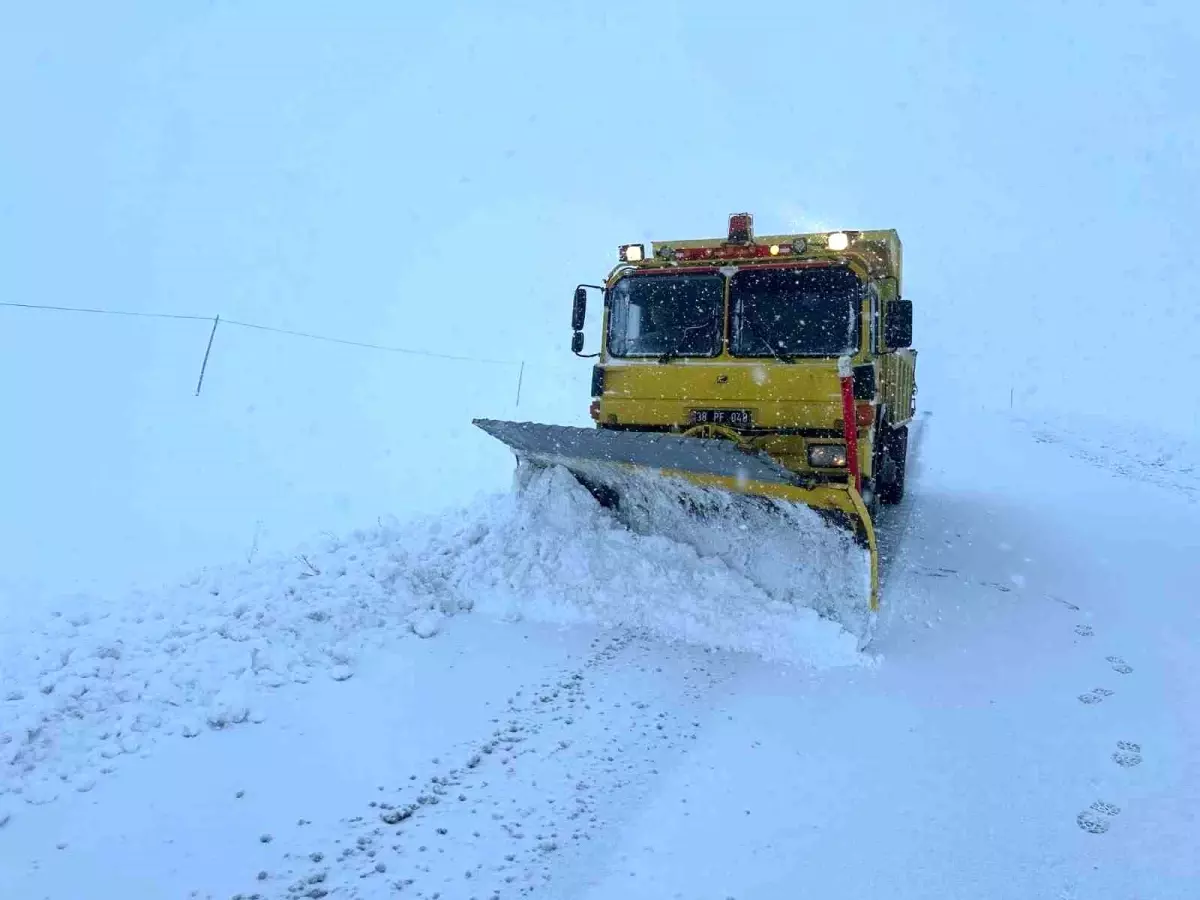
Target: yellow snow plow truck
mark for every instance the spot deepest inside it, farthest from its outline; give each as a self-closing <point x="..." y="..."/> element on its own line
<point x="748" y="388"/>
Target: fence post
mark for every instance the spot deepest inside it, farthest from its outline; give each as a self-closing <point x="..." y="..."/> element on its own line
<point x="207" y="350"/>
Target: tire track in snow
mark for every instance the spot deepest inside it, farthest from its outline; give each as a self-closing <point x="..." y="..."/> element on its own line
<point x="510" y="814"/>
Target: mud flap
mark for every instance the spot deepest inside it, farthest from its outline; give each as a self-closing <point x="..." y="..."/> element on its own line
<point x="804" y="543"/>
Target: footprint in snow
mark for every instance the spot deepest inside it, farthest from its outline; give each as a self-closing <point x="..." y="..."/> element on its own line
<point x="1119" y="665"/>
<point x="1084" y="630"/>
<point x="1095" y="819"/>
<point x="1127" y="754"/>
<point x="1095" y="695"/>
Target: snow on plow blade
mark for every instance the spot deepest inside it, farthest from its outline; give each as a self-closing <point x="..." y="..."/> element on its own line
<point x="803" y="542"/>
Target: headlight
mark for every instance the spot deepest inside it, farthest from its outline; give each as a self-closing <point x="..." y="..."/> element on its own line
<point x="827" y="456"/>
<point x="839" y="240"/>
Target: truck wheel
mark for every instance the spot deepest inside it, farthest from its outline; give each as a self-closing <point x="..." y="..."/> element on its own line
<point x="895" y="463"/>
<point x="871" y="499"/>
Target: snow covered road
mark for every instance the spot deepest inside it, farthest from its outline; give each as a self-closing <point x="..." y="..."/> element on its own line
<point x="1030" y="734"/>
<point x="1027" y="729"/>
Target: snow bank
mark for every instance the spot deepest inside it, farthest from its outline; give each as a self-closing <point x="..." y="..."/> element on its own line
<point x="1169" y="460"/>
<point x="95" y="681"/>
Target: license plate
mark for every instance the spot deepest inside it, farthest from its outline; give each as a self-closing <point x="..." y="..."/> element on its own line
<point x="736" y="418"/>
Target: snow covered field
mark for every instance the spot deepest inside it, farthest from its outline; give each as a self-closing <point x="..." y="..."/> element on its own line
<point x="371" y="672"/>
<point x="414" y="710"/>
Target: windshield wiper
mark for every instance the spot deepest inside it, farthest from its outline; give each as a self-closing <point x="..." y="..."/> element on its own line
<point x="764" y="336"/>
<point x="674" y="351"/>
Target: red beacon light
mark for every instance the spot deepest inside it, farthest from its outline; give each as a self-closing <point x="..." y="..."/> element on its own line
<point x="741" y="228"/>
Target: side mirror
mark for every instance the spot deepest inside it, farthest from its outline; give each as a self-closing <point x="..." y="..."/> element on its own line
<point x="579" y="309"/>
<point x="897" y="326"/>
<point x="577" y="342"/>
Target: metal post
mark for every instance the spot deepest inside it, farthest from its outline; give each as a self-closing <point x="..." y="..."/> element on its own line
<point x="520" y="378"/>
<point x="207" y="350"/>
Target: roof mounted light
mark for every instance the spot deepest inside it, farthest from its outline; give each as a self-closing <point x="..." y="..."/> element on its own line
<point x="632" y="252"/>
<point x="839" y="240"/>
<point x="741" y="228"/>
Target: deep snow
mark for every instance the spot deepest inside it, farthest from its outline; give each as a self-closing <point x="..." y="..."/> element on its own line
<point x="1023" y="729"/>
<point x="92" y="682"/>
<point x="428" y="176"/>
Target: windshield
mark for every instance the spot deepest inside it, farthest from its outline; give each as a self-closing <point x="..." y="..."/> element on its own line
<point x="666" y="315"/>
<point x="795" y="312"/>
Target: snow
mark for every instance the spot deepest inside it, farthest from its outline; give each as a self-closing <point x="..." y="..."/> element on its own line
<point x="623" y="716"/>
<point x="1168" y="457"/>
<point x="582" y="721"/>
<point x="95" y="685"/>
<point x="753" y="583"/>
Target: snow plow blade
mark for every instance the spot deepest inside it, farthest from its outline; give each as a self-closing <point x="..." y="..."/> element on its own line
<point x="694" y="489"/>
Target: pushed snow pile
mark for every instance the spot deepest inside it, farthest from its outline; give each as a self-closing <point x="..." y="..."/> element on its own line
<point x="88" y="683"/>
<point x="91" y="682"/>
<point x="746" y="583"/>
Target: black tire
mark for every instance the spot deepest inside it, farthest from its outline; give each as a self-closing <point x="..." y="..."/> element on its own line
<point x="895" y="464"/>
<point x="871" y="499"/>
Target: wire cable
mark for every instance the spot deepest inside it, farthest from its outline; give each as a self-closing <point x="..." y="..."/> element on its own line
<point x="107" y="312"/>
<point x="259" y="327"/>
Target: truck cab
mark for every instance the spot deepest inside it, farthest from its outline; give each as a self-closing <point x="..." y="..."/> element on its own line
<point x="742" y="337"/>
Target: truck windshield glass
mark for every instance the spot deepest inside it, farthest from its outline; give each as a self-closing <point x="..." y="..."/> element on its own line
<point x="666" y="315"/>
<point x="795" y="312"/>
